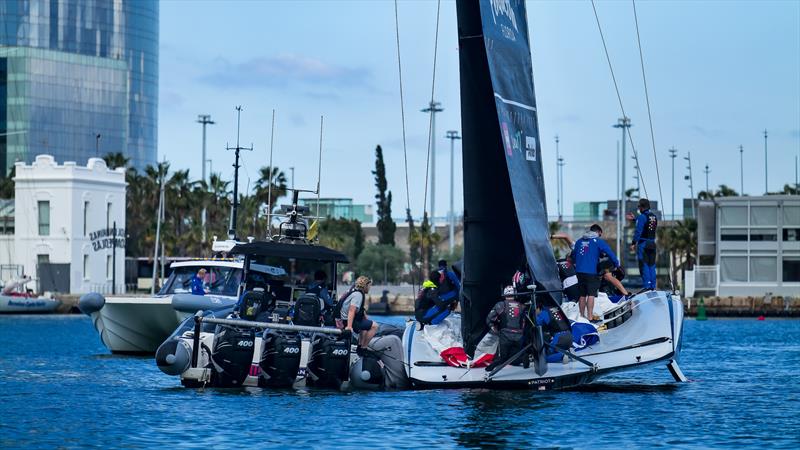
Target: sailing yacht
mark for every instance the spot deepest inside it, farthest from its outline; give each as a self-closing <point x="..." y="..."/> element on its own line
<point x="505" y="230"/>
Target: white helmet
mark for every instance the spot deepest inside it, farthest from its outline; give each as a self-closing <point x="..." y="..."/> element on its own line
<point x="509" y="290"/>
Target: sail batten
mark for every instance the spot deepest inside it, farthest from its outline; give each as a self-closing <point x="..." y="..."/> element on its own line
<point x="503" y="181"/>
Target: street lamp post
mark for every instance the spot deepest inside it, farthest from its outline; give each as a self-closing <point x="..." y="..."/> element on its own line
<point x="766" y="185"/>
<point x="452" y="135"/>
<point x="558" y="180"/>
<point x="741" y="170"/>
<point x="204" y="119"/>
<point x="292" y="170"/>
<point x="707" y="171"/>
<point x="561" y="164"/>
<point x="673" y="153"/>
<point x="433" y="108"/>
<point x="688" y="159"/>
<point x="623" y="123"/>
<point x="97" y="145"/>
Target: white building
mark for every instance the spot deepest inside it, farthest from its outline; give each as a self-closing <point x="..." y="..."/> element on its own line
<point x="748" y="246"/>
<point x="64" y="217"/>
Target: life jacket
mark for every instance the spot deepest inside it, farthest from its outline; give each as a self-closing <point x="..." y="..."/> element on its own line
<point x="448" y="288"/>
<point x="307" y="310"/>
<point x="649" y="231"/>
<point x="513" y="318"/>
<point x="337" y="309"/>
<point x="426" y="299"/>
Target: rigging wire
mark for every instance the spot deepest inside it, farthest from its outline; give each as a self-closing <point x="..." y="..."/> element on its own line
<point x="619" y="98"/>
<point x="647" y="98"/>
<point x="430" y="121"/>
<point x="402" y="106"/>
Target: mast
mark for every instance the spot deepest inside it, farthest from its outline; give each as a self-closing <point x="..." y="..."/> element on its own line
<point x="236" y="165"/>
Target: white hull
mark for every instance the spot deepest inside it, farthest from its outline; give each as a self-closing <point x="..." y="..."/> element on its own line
<point x="27" y="305"/>
<point x="651" y="335"/>
<point x="136" y="325"/>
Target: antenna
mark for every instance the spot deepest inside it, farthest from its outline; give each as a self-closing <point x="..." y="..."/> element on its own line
<point x="319" y="167"/>
<point x="271" y="170"/>
<point x="236" y="165"/>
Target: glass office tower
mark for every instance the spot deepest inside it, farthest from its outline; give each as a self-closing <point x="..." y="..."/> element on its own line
<point x="78" y="78"/>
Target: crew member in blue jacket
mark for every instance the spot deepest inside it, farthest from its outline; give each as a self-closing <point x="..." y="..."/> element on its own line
<point x="586" y="254"/>
<point x="198" y="281"/>
<point x="449" y="285"/>
<point x="644" y="243"/>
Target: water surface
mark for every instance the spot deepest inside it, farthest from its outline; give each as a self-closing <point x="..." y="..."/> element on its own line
<point x="59" y="387"/>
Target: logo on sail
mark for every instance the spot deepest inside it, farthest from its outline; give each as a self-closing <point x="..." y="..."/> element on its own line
<point x="530" y="148"/>
<point x="504" y="8"/>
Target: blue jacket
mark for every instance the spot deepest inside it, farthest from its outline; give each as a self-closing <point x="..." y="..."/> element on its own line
<point x="449" y="286"/>
<point x="587" y="252"/>
<point x="197" y="286"/>
<point x="646" y="224"/>
<point x="321" y="291"/>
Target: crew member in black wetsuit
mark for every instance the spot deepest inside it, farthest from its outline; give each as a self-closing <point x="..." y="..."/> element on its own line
<point x="507" y="320"/>
<point x="644" y="243"/>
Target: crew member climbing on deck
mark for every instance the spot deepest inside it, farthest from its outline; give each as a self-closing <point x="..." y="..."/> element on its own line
<point x="644" y="243"/>
<point x="586" y="254"/>
<point x="432" y="304"/>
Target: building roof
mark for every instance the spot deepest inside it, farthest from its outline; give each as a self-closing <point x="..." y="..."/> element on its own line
<point x="284" y="250"/>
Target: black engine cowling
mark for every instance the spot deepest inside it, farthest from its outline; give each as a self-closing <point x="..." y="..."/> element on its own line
<point x="280" y="359"/>
<point x="329" y="365"/>
<point x="232" y="355"/>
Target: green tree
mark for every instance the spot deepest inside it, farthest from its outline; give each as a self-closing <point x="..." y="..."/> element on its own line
<point x="680" y="242"/>
<point x="343" y="235"/>
<point x="381" y="262"/>
<point x="7" y="184"/>
<point x="386" y="226"/>
<point x="426" y="240"/>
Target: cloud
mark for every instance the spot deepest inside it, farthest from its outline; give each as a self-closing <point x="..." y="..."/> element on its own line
<point x="284" y="70"/>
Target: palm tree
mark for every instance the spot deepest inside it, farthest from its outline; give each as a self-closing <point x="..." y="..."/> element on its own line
<point x="680" y="241"/>
<point x="426" y="240"/>
<point x="270" y="176"/>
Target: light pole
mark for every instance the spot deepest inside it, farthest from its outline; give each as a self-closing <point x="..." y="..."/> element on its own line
<point x="561" y="164"/>
<point x="292" y="170"/>
<point x="707" y="171"/>
<point x="433" y="108"/>
<point x="741" y="170"/>
<point x="623" y="123"/>
<point x="558" y="180"/>
<point x="636" y="175"/>
<point x="766" y="185"/>
<point x="688" y="159"/>
<point x="204" y="119"/>
<point x="452" y="135"/>
<point x="97" y="145"/>
<point x="673" y="153"/>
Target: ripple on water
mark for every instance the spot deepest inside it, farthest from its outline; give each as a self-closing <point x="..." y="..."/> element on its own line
<point x="60" y="388"/>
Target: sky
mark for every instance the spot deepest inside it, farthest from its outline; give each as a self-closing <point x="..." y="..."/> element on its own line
<point x="718" y="74"/>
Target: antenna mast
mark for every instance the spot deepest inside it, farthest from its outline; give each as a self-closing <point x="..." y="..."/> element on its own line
<point x="236" y="165"/>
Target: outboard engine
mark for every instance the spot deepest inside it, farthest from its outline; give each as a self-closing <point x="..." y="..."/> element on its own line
<point x="329" y="362"/>
<point x="367" y="373"/>
<point x="280" y="359"/>
<point x="232" y="355"/>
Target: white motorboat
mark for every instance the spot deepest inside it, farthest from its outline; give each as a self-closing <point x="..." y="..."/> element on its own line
<point x="15" y="299"/>
<point x="139" y="324"/>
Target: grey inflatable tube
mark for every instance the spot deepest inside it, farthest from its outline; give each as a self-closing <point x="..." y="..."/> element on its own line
<point x="91" y="302"/>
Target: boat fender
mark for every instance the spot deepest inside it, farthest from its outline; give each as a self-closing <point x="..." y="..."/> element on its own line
<point x="91" y="303"/>
<point x="173" y="357"/>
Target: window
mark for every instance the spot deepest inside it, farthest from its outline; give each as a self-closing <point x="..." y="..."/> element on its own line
<point x="791" y="215"/>
<point x="763" y="268"/>
<point x="763" y="235"/>
<point x="733" y="268"/>
<point x="42" y="259"/>
<point x="85" y="267"/>
<point x="44" y="217"/>
<point x="791" y="269"/>
<point x="733" y="234"/>
<point x="763" y="215"/>
<point x="85" y="218"/>
<point x="109" y="269"/>
<point x="791" y="234"/>
<point x="733" y="215"/>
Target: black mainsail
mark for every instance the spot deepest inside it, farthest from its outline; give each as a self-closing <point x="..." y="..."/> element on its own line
<point x="505" y="214"/>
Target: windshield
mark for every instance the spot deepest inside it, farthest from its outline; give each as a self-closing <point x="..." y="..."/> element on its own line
<point x="217" y="280"/>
